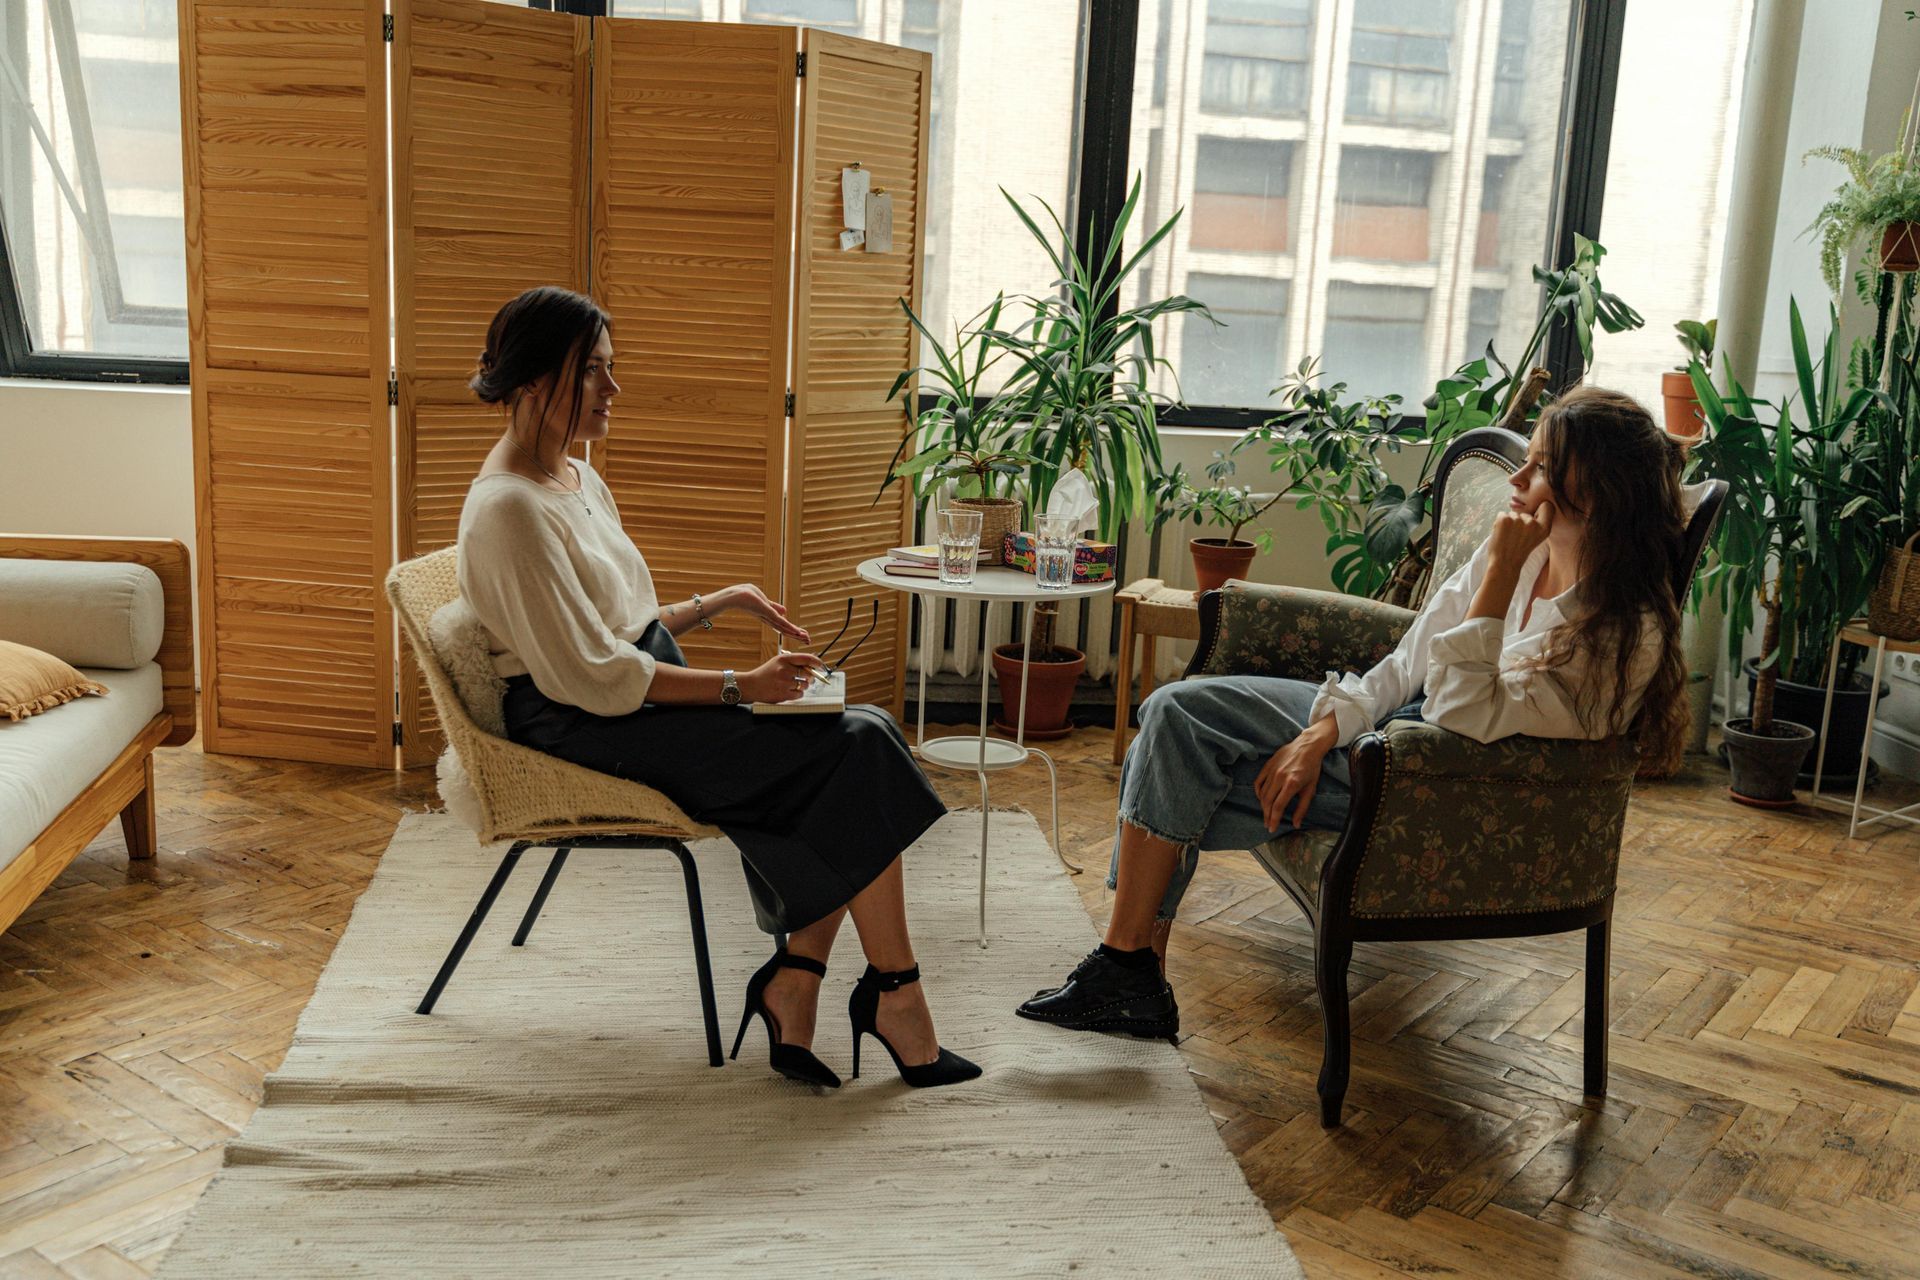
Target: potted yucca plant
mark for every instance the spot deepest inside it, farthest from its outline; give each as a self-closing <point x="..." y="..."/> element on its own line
<point x="1085" y="403"/>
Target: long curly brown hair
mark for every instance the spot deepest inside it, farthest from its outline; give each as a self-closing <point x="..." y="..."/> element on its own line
<point x="1608" y="462"/>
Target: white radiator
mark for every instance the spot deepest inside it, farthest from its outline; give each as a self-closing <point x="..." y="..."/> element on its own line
<point x="953" y="644"/>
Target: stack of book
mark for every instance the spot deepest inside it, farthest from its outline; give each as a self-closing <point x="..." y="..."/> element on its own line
<point x="922" y="561"/>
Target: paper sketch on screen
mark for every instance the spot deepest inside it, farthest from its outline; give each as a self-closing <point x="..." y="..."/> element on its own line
<point x="880" y="221"/>
<point x="855" y="182"/>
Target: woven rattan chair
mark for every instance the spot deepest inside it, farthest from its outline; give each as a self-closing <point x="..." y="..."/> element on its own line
<point x="1447" y="837"/>
<point x="536" y="800"/>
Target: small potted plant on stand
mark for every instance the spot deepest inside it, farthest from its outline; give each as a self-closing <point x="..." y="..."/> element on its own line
<point x="1680" y="406"/>
<point x="1222" y="505"/>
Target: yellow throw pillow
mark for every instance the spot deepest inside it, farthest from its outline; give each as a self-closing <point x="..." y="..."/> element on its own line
<point x="32" y="681"/>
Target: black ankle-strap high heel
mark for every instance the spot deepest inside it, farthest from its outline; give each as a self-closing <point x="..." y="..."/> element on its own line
<point x="790" y="1060"/>
<point x="863" y="1007"/>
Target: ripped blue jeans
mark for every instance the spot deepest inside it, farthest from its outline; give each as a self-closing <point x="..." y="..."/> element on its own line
<point x="1188" y="777"/>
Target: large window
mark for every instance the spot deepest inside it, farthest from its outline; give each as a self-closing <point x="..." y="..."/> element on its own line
<point x="90" y="197"/>
<point x="1257" y="55"/>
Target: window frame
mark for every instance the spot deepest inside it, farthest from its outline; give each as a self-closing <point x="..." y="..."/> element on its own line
<point x="18" y="359"/>
<point x="1108" y="58"/>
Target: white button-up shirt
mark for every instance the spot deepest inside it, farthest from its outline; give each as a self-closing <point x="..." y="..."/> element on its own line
<point x="1480" y="675"/>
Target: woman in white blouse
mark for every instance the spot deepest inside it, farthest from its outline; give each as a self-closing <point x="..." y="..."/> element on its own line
<point x="820" y="806"/>
<point x="1563" y="625"/>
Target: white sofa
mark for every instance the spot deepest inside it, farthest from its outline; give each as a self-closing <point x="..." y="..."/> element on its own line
<point x="118" y="609"/>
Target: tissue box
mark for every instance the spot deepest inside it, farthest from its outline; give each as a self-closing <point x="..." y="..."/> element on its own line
<point x="1092" y="561"/>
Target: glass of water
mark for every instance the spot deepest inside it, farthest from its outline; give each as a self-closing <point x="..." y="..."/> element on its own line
<point x="959" y="533"/>
<point x="1053" y="548"/>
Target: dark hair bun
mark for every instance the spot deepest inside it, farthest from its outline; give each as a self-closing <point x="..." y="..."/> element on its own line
<point x="546" y="330"/>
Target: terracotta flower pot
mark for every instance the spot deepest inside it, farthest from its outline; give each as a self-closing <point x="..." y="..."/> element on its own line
<point x="1900" y="247"/>
<point x="1217" y="559"/>
<point x="1047" y="700"/>
<point x="1681" y="406"/>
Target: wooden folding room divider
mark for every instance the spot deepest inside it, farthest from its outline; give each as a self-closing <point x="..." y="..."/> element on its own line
<point x="686" y="175"/>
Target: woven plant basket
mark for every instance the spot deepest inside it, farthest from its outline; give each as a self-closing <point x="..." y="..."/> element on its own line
<point x="998" y="518"/>
<point x="1893" y="610"/>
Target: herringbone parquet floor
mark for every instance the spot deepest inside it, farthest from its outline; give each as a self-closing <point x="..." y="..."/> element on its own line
<point x="1764" y="1118"/>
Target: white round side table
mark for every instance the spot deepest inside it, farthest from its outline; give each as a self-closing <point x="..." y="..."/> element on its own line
<point x="978" y="753"/>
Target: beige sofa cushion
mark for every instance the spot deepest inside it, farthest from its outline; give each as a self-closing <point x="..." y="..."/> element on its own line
<point x="32" y="682"/>
<point x="48" y="760"/>
<point x="90" y="614"/>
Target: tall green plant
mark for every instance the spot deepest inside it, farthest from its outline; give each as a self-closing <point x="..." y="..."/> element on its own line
<point x="1785" y="541"/>
<point x="1086" y="362"/>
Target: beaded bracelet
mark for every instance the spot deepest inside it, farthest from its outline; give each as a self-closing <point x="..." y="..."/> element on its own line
<point x="700" y="609"/>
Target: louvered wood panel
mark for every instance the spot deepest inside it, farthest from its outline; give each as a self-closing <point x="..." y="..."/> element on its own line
<point x="284" y="132"/>
<point x="693" y="208"/>
<point x="491" y="133"/>
<point x="861" y="102"/>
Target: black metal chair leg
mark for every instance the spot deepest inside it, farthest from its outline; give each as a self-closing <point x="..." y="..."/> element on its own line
<point x="473" y="926"/>
<point x="1599" y="947"/>
<point x="700" y="960"/>
<point x="540" y="895"/>
<point x="1331" y="956"/>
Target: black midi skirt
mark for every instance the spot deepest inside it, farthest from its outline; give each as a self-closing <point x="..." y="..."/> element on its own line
<point x="818" y="805"/>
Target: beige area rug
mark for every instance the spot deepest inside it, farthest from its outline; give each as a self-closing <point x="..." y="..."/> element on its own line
<point x="556" y="1114"/>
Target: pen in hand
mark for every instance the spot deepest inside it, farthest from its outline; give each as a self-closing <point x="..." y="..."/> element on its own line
<point x="819" y="673"/>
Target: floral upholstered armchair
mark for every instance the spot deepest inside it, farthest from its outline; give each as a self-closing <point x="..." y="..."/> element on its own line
<point x="1447" y="837"/>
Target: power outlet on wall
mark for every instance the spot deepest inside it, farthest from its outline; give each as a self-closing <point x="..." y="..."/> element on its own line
<point x="1903" y="666"/>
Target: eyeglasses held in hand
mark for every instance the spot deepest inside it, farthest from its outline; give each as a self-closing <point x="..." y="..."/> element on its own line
<point x="835" y="667"/>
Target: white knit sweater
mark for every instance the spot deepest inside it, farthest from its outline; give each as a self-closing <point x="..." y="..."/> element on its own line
<point x="562" y="593"/>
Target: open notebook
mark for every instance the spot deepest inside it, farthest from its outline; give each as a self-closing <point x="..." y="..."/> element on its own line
<point x="821" y="697"/>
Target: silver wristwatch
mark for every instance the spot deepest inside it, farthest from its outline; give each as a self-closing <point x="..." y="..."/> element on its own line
<point x="729" y="688"/>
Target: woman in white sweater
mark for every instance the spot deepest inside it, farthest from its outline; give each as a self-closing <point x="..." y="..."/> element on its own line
<point x="821" y="807"/>
<point x="1563" y="625"/>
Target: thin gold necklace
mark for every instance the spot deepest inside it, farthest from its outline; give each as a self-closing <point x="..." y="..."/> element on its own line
<point x="556" y="479"/>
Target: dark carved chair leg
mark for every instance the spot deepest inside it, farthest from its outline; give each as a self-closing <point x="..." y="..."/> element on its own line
<point x="480" y="910"/>
<point x="700" y="960"/>
<point x="1599" y="944"/>
<point x="1331" y="956"/>
<point x="540" y="896"/>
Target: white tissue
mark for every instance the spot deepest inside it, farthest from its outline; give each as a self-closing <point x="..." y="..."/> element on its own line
<point x="1073" y="495"/>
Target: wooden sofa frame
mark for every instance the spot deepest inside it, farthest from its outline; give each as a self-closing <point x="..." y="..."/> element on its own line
<point x="125" y="787"/>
